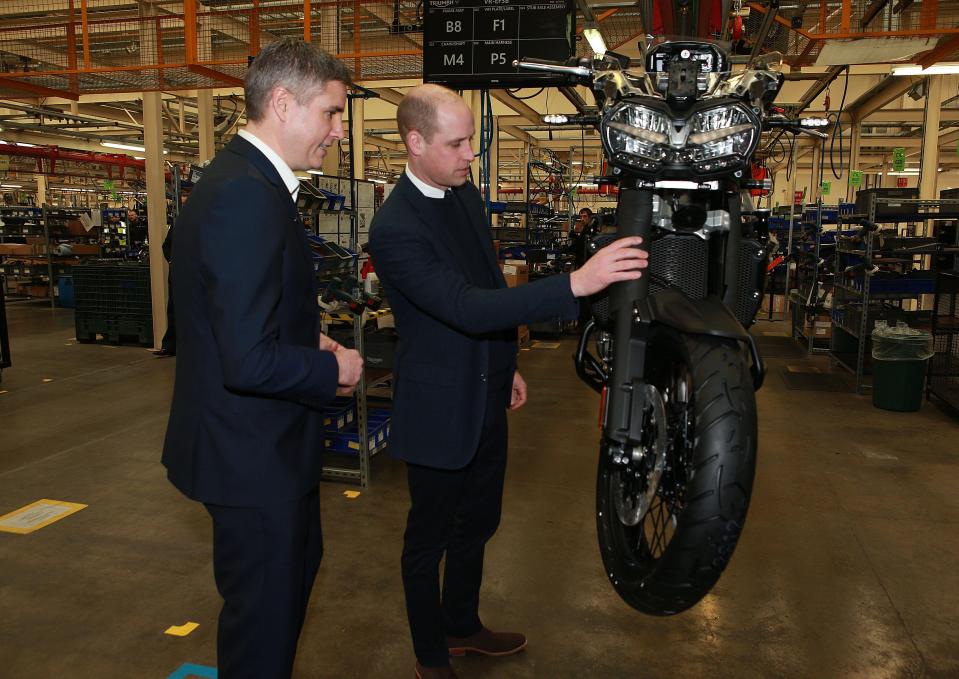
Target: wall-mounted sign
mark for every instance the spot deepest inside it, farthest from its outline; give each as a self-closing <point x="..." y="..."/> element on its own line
<point x="473" y="43"/>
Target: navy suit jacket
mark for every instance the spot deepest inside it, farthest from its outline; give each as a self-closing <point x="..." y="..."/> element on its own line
<point x="444" y="322"/>
<point x="247" y="340"/>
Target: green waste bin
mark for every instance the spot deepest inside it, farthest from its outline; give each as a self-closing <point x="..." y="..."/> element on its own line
<point x="899" y="358"/>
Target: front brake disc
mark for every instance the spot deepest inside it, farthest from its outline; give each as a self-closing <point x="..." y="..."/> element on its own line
<point x="634" y="485"/>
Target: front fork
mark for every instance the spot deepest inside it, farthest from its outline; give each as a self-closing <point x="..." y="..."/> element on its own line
<point x="625" y="401"/>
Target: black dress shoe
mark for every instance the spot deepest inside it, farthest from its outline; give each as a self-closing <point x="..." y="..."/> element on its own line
<point x="486" y="642"/>
<point x="164" y="353"/>
<point x="444" y="672"/>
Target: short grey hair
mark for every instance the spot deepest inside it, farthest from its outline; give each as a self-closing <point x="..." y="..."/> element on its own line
<point x="417" y="110"/>
<point x="294" y="64"/>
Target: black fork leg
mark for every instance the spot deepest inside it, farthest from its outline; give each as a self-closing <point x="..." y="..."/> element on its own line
<point x="634" y="217"/>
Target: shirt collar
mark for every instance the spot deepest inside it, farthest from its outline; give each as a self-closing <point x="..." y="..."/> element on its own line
<point x="286" y="174"/>
<point x="426" y="189"/>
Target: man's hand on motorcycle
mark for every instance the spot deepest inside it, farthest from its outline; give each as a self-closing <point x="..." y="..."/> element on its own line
<point x="621" y="260"/>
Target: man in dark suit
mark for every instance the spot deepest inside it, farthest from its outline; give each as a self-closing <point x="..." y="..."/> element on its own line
<point x="456" y="369"/>
<point x="241" y="438"/>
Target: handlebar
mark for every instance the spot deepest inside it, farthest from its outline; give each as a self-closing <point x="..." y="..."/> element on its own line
<point x="553" y="67"/>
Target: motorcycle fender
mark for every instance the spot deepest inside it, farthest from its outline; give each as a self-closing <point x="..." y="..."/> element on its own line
<point x="708" y="316"/>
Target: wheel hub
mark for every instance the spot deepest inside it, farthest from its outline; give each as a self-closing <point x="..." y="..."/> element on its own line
<point x="635" y="483"/>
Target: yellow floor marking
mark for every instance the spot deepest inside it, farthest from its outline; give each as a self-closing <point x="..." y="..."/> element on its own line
<point x="47" y="379"/>
<point x="351" y="494"/>
<point x="803" y="369"/>
<point x="36" y="515"/>
<point x="545" y="345"/>
<point x="181" y="630"/>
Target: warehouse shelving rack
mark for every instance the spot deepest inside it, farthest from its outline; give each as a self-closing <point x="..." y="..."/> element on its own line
<point x="5" y="361"/>
<point x="811" y="276"/>
<point x="943" y="376"/>
<point x="41" y="227"/>
<point x="543" y="217"/>
<point x="364" y="453"/>
<point x="850" y="343"/>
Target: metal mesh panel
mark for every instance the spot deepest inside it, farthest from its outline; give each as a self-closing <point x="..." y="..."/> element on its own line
<point x="747" y="306"/>
<point x="677" y="260"/>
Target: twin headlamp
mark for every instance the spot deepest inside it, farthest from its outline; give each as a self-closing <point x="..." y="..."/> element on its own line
<point x="711" y="141"/>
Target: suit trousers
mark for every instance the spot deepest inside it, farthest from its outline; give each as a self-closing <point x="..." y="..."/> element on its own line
<point x="265" y="560"/>
<point x="453" y="513"/>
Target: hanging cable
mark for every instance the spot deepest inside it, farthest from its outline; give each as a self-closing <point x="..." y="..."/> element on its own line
<point x="837" y="131"/>
<point x="513" y="91"/>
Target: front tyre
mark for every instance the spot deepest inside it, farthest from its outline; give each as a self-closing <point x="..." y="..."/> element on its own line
<point x="670" y="511"/>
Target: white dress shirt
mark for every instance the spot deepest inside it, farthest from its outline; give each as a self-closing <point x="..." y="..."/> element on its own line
<point x="426" y="189"/>
<point x="286" y="174"/>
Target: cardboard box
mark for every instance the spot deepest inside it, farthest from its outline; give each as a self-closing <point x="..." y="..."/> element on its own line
<point x="779" y="304"/>
<point x="515" y="274"/>
<point x="820" y="327"/>
<point x="16" y="249"/>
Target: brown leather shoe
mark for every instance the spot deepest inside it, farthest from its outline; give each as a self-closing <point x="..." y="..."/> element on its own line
<point x="444" y="672"/>
<point x="486" y="642"/>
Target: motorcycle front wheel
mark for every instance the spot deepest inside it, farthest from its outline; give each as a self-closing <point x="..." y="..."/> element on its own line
<point x="670" y="512"/>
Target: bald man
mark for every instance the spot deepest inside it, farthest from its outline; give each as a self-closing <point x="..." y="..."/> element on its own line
<point x="456" y="370"/>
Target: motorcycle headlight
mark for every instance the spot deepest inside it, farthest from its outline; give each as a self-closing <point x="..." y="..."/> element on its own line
<point x="637" y="136"/>
<point x="722" y="137"/>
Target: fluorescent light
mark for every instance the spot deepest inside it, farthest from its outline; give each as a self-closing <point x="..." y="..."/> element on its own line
<point x="139" y="158"/>
<point x="20" y="143"/>
<point x="11" y="186"/>
<point x="378" y="181"/>
<point x="315" y="171"/>
<point x="556" y="119"/>
<point x="595" y="40"/>
<point x="125" y="147"/>
<point x="936" y="69"/>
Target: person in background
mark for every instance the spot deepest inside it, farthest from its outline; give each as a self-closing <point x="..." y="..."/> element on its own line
<point x="579" y="237"/>
<point x="137" y="233"/>
<point x="456" y="370"/>
<point x="253" y="370"/>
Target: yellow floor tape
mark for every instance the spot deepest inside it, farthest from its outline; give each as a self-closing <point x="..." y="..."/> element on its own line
<point x="181" y="630"/>
<point x="36" y="515"/>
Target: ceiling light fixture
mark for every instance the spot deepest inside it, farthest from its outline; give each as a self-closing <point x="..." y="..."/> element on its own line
<point x="595" y="40"/>
<point x="125" y="147"/>
<point x="944" y="68"/>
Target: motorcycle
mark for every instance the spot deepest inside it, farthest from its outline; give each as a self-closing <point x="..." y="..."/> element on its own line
<point x="674" y="364"/>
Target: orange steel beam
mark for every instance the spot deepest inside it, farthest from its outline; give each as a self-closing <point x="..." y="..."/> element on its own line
<point x="387" y="53"/>
<point x="805" y="53"/>
<point x="928" y="13"/>
<point x="916" y="33"/>
<point x="215" y="75"/>
<point x="944" y="49"/>
<point x="122" y="69"/>
<point x="307" y="33"/>
<point x="72" y="47"/>
<point x="255" y="29"/>
<point x="37" y="90"/>
<point x="846" y="15"/>
<point x="822" y="16"/>
<point x="779" y="20"/>
<point x="189" y="30"/>
<point x="159" y="34"/>
<point x="357" y="70"/>
<point x="85" y="33"/>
